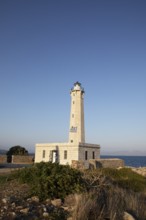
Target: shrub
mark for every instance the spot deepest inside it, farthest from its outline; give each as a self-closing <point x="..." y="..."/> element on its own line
<point x="51" y="180"/>
<point x="17" y="150"/>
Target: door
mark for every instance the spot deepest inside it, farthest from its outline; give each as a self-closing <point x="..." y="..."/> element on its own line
<point x="54" y="156"/>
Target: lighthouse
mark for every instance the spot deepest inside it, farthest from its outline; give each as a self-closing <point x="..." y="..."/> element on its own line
<point x="77" y="128"/>
<point x="76" y="150"/>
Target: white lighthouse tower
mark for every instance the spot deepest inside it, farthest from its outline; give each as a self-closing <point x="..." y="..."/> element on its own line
<point x="77" y="129"/>
<point x="76" y="150"/>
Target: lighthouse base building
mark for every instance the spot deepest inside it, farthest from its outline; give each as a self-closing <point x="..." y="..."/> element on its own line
<point x="76" y="150"/>
<point x="67" y="153"/>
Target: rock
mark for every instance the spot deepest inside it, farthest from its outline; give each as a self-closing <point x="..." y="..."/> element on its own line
<point x="127" y="216"/>
<point x="65" y="208"/>
<point x="24" y="211"/>
<point x="4" y="200"/>
<point x="5" y="207"/>
<point x="19" y="207"/>
<point x="35" y="199"/>
<point x="44" y="209"/>
<point x="13" y="204"/>
<point x="45" y="214"/>
<point x="29" y="200"/>
<point x="56" y="202"/>
<point x="140" y="170"/>
<point x="48" y="201"/>
<point x="13" y="215"/>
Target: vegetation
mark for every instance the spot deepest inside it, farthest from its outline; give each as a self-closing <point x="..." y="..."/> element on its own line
<point x="111" y="192"/>
<point x="99" y="194"/>
<point x="17" y="150"/>
<point x="4" y="179"/>
<point x="51" y="180"/>
<point x="126" y="178"/>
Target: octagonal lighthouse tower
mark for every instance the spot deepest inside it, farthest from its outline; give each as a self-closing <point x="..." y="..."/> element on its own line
<point x="76" y="152"/>
<point x="77" y="130"/>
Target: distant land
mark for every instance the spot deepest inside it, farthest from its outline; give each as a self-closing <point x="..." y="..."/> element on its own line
<point x="123" y="153"/>
<point x="3" y="151"/>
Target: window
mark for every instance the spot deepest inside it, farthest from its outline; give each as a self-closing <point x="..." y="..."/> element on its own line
<point x="65" y="154"/>
<point x="86" y="155"/>
<point x="72" y="115"/>
<point x="73" y="102"/>
<point x="93" y="155"/>
<point x="44" y="152"/>
<point x="71" y="141"/>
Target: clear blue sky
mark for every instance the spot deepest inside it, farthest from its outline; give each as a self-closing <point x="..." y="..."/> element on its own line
<point x="47" y="45"/>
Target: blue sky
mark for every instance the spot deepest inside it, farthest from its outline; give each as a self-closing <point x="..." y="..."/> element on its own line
<point x="47" y="45"/>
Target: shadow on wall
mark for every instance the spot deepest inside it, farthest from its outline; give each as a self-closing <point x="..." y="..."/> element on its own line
<point x="106" y="163"/>
<point x="9" y="159"/>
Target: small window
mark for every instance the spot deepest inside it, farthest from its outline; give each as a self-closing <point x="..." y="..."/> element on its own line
<point x="44" y="152"/>
<point x="93" y="155"/>
<point x="65" y="154"/>
<point x="72" y="115"/>
<point x="86" y="155"/>
<point x="71" y="141"/>
<point x="73" y="102"/>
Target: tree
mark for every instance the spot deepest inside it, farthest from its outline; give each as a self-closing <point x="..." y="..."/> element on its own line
<point x="17" y="150"/>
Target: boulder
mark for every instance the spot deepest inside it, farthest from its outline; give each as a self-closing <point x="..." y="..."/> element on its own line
<point x="56" y="202"/>
<point x="128" y="216"/>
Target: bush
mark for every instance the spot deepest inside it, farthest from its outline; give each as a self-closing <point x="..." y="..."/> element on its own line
<point x="17" y="150"/>
<point x="126" y="178"/>
<point x="51" y="180"/>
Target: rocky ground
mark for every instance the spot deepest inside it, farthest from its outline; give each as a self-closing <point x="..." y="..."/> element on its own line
<point x="16" y="203"/>
<point x="140" y="170"/>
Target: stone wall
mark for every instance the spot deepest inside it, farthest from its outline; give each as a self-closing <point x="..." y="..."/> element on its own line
<point x="17" y="159"/>
<point x="76" y="164"/>
<point x="3" y="159"/>
<point x="106" y="163"/>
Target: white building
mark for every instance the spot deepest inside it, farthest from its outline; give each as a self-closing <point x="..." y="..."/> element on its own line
<point x="76" y="149"/>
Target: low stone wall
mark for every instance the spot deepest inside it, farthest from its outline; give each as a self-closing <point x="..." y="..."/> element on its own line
<point x="17" y="159"/>
<point x="3" y="158"/>
<point x="77" y="164"/>
<point x="106" y="163"/>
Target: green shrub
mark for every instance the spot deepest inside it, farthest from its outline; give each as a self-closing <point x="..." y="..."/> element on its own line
<point x="126" y="178"/>
<point x="51" y="180"/>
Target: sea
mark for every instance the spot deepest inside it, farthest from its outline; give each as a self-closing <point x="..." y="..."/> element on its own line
<point x="132" y="161"/>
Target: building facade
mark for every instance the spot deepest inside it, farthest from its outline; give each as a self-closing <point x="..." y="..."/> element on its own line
<point x="76" y="149"/>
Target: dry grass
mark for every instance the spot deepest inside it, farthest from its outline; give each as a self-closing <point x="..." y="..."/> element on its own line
<point x="107" y="201"/>
<point x="109" y="205"/>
